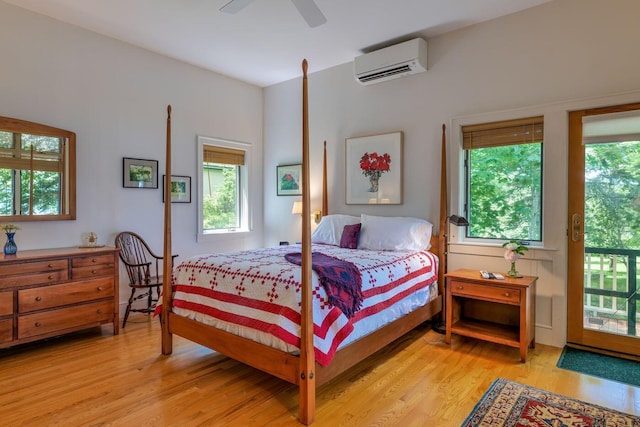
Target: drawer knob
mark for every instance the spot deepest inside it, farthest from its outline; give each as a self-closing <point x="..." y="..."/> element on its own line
<point x="94" y="271"/>
<point x="38" y="324"/>
<point x="51" y="277"/>
<point x="460" y="288"/>
<point x="38" y="298"/>
<point x="507" y="294"/>
<point x="50" y="265"/>
<point x="99" y="289"/>
<point x="99" y="311"/>
<point x="94" y="260"/>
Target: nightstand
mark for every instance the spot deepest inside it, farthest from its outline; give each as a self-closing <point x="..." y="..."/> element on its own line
<point x="500" y="311"/>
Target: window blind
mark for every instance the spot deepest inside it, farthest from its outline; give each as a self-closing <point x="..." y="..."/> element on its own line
<point x="508" y="132"/>
<point x="612" y="127"/>
<point x="223" y="155"/>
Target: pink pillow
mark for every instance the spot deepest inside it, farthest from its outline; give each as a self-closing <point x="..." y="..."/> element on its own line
<point x="350" y="235"/>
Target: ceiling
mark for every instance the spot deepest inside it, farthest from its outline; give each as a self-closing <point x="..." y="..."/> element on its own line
<point x="264" y="43"/>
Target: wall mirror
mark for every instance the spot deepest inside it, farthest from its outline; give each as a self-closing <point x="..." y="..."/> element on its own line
<point x="37" y="172"/>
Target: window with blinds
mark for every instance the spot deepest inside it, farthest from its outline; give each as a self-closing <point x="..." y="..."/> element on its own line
<point x="503" y="179"/>
<point x="224" y="186"/>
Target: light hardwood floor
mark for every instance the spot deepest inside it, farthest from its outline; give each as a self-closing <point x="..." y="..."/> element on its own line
<point x="94" y="378"/>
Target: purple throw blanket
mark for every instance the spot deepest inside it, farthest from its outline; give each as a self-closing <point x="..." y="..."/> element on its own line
<point x="340" y="279"/>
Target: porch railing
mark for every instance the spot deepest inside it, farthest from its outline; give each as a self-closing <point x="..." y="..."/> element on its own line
<point x="611" y="276"/>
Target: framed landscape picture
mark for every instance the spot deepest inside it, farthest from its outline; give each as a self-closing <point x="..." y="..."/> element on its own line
<point x="180" y="189"/>
<point x="139" y="173"/>
<point x="289" y="180"/>
<point x="373" y="169"/>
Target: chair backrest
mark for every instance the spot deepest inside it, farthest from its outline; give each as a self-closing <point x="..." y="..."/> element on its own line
<point x="143" y="266"/>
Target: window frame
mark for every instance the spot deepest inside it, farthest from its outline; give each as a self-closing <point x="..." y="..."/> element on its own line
<point x="243" y="187"/>
<point x="457" y="179"/>
<point x="467" y="201"/>
<point x="67" y="172"/>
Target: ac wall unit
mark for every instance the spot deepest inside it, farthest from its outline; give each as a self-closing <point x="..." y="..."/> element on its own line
<point x="391" y="62"/>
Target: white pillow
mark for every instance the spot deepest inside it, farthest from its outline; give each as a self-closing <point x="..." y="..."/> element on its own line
<point x="329" y="230"/>
<point x="382" y="233"/>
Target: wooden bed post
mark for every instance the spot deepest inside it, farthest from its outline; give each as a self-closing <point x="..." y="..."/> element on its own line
<point x="167" y="339"/>
<point x="325" y="198"/>
<point x="443" y="212"/>
<point x="307" y="381"/>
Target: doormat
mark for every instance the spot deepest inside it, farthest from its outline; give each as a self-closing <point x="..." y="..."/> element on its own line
<point x="511" y="404"/>
<point x="600" y="365"/>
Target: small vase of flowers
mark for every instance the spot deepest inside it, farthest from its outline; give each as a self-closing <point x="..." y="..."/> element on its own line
<point x="10" y="247"/>
<point x="513" y="250"/>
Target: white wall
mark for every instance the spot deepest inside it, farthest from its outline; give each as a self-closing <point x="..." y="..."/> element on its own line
<point x="563" y="55"/>
<point x="115" y="97"/>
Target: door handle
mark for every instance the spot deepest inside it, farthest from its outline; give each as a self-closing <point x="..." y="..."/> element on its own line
<point x="576" y="227"/>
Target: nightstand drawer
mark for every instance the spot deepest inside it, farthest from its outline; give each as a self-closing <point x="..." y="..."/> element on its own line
<point x="486" y="292"/>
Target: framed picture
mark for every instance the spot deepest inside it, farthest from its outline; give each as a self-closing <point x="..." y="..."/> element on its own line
<point x="180" y="189"/>
<point x="373" y="169"/>
<point x="289" y="180"/>
<point x="139" y="173"/>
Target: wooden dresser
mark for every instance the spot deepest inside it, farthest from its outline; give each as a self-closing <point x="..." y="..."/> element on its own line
<point x="49" y="292"/>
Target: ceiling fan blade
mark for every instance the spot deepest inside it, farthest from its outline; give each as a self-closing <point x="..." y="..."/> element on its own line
<point x="310" y="12"/>
<point x="235" y="6"/>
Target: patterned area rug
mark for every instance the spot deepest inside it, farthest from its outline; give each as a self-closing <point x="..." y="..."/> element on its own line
<point x="508" y="403"/>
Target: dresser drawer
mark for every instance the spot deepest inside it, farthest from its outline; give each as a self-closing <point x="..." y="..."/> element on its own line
<point x="92" y="266"/>
<point x="65" y="318"/>
<point x="6" y="303"/>
<point x="486" y="292"/>
<point x="20" y="268"/>
<point x="88" y="261"/>
<point x="6" y="330"/>
<point x="64" y="294"/>
<point x="92" y="271"/>
<point x="34" y="279"/>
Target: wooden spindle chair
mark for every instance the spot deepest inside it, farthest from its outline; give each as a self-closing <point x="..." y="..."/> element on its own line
<point x="144" y="269"/>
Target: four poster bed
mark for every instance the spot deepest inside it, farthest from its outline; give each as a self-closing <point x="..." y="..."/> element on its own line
<point x="279" y="339"/>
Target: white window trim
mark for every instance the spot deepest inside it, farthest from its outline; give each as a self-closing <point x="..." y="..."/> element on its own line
<point x="246" y="222"/>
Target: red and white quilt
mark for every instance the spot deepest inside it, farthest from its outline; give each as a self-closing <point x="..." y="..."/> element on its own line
<point x="257" y="294"/>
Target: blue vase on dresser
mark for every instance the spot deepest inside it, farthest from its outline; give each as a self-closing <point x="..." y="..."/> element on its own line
<point x="10" y="248"/>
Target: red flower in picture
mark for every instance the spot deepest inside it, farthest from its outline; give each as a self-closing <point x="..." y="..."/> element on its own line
<point x="288" y="182"/>
<point x="373" y="166"/>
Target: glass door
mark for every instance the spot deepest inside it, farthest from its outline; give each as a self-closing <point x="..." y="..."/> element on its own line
<point x="603" y="304"/>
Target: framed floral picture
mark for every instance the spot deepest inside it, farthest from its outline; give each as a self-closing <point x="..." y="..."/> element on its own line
<point x="373" y="168"/>
<point x="289" y="180"/>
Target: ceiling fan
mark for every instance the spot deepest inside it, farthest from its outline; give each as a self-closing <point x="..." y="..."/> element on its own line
<point x="307" y="8"/>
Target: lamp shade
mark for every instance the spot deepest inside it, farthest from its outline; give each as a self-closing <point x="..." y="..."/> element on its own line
<point x="297" y="208"/>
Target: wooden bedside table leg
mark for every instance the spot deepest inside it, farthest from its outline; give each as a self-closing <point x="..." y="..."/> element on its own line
<point x="448" y="313"/>
<point x="523" y="352"/>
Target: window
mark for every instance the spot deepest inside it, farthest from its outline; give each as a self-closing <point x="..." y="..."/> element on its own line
<point x="224" y="186"/>
<point x="37" y="173"/>
<point x="503" y="178"/>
